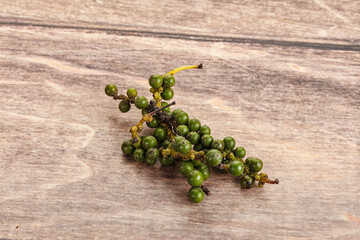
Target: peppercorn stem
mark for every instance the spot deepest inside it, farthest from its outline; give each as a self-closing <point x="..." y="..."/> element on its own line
<point x="170" y="133"/>
<point x="205" y="189"/>
<point x="276" y="181"/>
<point x="224" y="166"/>
<point x="160" y="109"/>
<point x="176" y="70"/>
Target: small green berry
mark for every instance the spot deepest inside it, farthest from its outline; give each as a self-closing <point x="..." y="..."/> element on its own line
<point x="139" y="155"/>
<point x="206" y="140"/>
<point x="148" y="142"/>
<point x="160" y="134"/>
<point x="204" y="130"/>
<point x="177" y="139"/>
<point x="229" y="143"/>
<point x="182" y="118"/>
<point x="131" y="92"/>
<point x="150" y="161"/>
<point x="196" y="194"/>
<point x="163" y="104"/>
<point x="236" y="168"/>
<point x="154" y="123"/>
<point x="182" y="130"/>
<point x="239" y="152"/>
<point x="155" y="81"/>
<point x="175" y="112"/>
<point x="141" y="102"/>
<point x="167" y="94"/>
<point x="127" y="147"/>
<point x="205" y="150"/>
<point x="213" y="157"/>
<point x="195" y="178"/>
<point x="168" y="81"/>
<point x="186" y="167"/>
<point x="217" y="144"/>
<point x="144" y="111"/>
<point x="111" y="90"/>
<point x="247" y="182"/>
<point x="196" y="163"/>
<point x="205" y="171"/>
<point x="124" y="106"/>
<point x="193" y="137"/>
<point x="194" y="124"/>
<point x="165" y="143"/>
<point x="198" y="147"/>
<point x="168" y="161"/>
<point x="152" y="153"/>
<point x="183" y="146"/>
<point x="255" y="164"/>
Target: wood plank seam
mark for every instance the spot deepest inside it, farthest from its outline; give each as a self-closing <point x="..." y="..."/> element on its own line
<point x="198" y="37"/>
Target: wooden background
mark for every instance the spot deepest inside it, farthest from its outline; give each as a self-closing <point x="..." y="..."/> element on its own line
<point x="282" y="77"/>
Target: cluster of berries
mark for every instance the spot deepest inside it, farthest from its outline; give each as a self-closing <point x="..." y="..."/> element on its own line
<point x="176" y="137"/>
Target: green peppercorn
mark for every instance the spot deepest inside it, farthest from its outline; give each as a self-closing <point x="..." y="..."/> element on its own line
<point x="204" y="130"/>
<point x="186" y="167"/>
<point x="198" y="147"/>
<point x="236" y="168"/>
<point x="196" y="194"/>
<point x="255" y="164"/>
<point x="183" y="146"/>
<point x="193" y="137"/>
<point x="168" y="161"/>
<point x="150" y="161"/>
<point x="217" y="144"/>
<point x="239" y="152"/>
<point x="160" y="134"/>
<point x="205" y="150"/>
<point x="154" y="123"/>
<point x="196" y="163"/>
<point x="148" y="142"/>
<point x="155" y="81"/>
<point x="176" y="112"/>
<point x="178" y="138"/>
<point x="111" y="90"/>
<point x="182" y="118"/>
<point x="124" y="106"/>
<point x="144" y="111"/>
<point x="165" y="144"/>
<point x="213" y="157"/>
<point x="206" y="140"/>
<point x="139" y="155"/>
<point x="131" y="92"/>
<point x="137" y="142"/>
<point x="168" y="81"/>
<point x="167" y="94"/>
<point x="152" y="153"/>
<point x="195" y="178"/>
<point x="194" y="124"/>
<point x="205" y="171"/>
<point x="141" y="102"/>
<point x="166" y="110"/>
<point x="247" y="182"/>
<point x="229" y="143"/>
<point x="127" y="147"/>
<point x="182" y="130"/>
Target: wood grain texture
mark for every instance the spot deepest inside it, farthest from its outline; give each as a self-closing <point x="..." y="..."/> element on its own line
<point x="281" y="77"/>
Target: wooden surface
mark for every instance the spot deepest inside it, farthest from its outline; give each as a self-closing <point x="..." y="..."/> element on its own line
<point x="282" y="77"/>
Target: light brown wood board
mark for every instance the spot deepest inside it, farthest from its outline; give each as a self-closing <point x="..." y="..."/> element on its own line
<point x="281" y="77"/>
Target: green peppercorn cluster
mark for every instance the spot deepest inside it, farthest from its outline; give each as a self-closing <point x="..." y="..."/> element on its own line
<point x="179" y="138"/>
